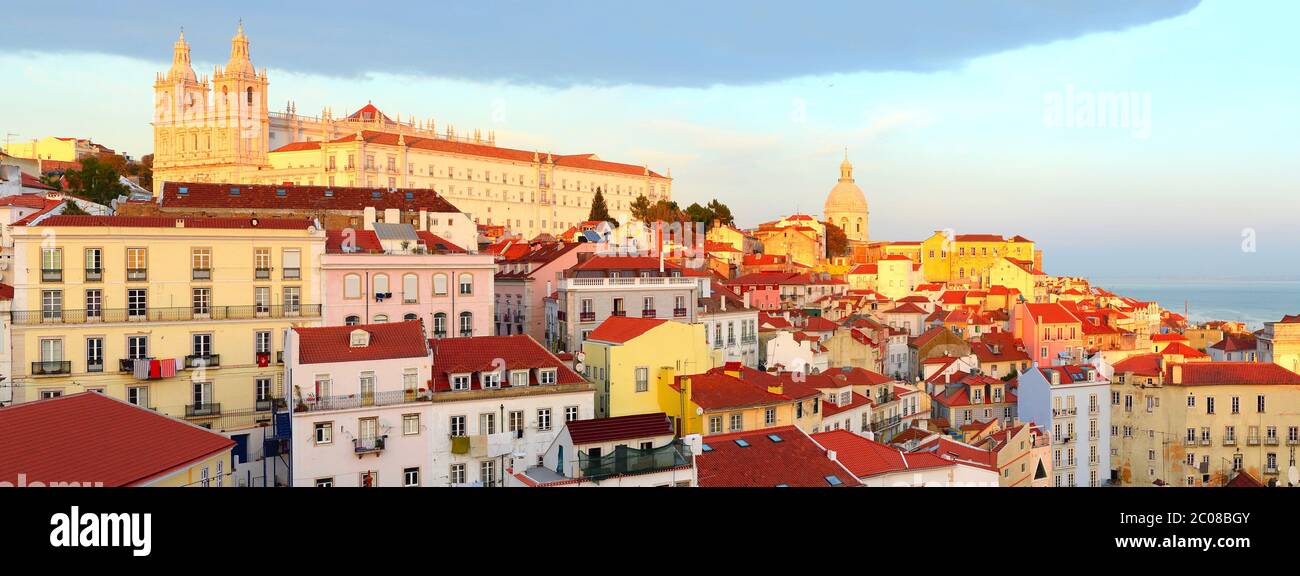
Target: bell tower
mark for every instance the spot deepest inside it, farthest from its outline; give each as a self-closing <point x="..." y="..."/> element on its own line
<point x="240" y="115"/>
<point x="180" y="110"/>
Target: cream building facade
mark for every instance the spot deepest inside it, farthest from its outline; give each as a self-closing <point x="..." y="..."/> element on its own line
<point x="221" y="130"/>
<point x="846" y="205"/>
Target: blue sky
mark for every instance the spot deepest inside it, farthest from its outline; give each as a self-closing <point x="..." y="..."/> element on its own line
<point x="945" y="107"/>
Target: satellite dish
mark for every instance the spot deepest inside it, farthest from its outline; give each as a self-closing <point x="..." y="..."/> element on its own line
<point x="581" y="356"/>
<point x="578" y="367"/>
<point x="1293" y="475"/>
<point x="699" y="411"/>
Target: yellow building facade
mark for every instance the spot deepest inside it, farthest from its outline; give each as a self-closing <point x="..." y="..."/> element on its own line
<point x="52" y="148"/>
<point x="628" y="371"/>
<point x="968" y="259"/>
<point x="94" y="297"/>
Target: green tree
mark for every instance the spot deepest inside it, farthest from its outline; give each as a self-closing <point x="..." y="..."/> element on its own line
<point x="599" y="211"/>
<point x="70" y="208"/>
<point x="52" y="181"/>
<point x="721" y="213"/>
<point x="640" y="208"/>
<point x="837" y="243"/>
<point x="697" y="213"/>
<point x="95" y="180"/>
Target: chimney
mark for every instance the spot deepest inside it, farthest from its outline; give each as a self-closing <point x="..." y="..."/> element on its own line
<point x="423" y="223"/>
<point x="368" y="218"/>
<point x="1177" y="373"/>
<point x="830" y="455"/>
<point x="722" y="298"/>
<point x="1056" y="377"/>
<point x="392" y="215"/>
<point x="746" y="297"/>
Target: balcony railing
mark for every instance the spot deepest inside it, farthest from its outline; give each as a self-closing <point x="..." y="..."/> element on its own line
<point x="199" y="410"/>
<point x="94" y="274"/>
<point x="1058" y="412"/>
<point x="368" y="445"/>
<point x="203" y="360"/>
<point x="587" y="316"/>
<point x="137" y="274"/>
<point x="648" y="313"/>
<point x="201" y="273"/>
<point x="1252" y="441"/>
<point x="619" y="313"/>
<point x="1229" y="441"/>
<point x="51" y="274"/>
<point x="679" y="312"/>
<point x="627" y="460"/>
<point x="262" y="273"/>
<point x="385" y="398"/>
<point x="51" y="367"/>
<point x="1292" y="441"/>
<point x="178" y="314"/>
<point x="1270" y="441"/>
<point x="292" y="273"/>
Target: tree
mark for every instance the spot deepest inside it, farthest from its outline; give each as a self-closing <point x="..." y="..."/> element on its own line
<point x="95" y="180"/>
<point x="52" y="181"/>
<point x="599" y="211"/>
<point x="721" y="213"/>
<point x="697" y="213"/>
<point x="640" y="208"/>
<point x="70" y="208"/>
<point x="837" y="243"/>
<point x="145" y="171"/>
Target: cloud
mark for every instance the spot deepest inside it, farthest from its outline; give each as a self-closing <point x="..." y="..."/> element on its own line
<point x="677" y="43"/>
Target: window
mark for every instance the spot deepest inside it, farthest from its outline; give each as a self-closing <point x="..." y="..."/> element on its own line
<point x="352" y="286"/>
<point x="460" y="381"/>
<point x="1209" y="404"/>
<point x="202" y="301"/>
<point x="201" y="264"/>
<point x="440" y="325"/>
<point x="570" y="413"/>
<point x="138" y="395"/>
<point x="544" y="419"/>
<point x="324" y="433"/>
<point x="466" y="284"/>
<point x="466" y="324"/>
<point x="137" y="303"/>
<point x="457" y="474"/>
<point x="1259" y="403"/>
<point x="410" y="289"/>
<point x="487" y="472"/>
<point x="411" y="477"/>
<point x="201" y="344"/>
<point x="380" y="319"/>
<point x="715" y="424"/>
<point x="519" y="379"/>
<point x="546" y="375"/>
<point x="94" y="264"/>
<point x="262" y="389"/>
<point x="737" y="422"/>
<point x="642" y="379"/>
<point x="490" y="379"/>
<point x="439" y="284"/>
<point x="262" y="263"/>
<point x="516" y="421"/>
<point x="1236" y="405"/>
<point x="291" y="264"/>
<point x="769" y="416"/>
<point x="51" y="264"/>
<point x="292" y="299"/>
<point x="137" y="347"/>
<point x="51" y="304"/>
<point x="487" y="423"/>
<point x="137" y="263"/>
<point x="94" y="303"/>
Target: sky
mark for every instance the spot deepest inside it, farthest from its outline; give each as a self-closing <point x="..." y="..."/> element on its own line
<point x="1130" y="139"/>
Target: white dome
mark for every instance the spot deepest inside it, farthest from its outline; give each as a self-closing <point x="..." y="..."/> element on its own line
<point x="846" y="197"/>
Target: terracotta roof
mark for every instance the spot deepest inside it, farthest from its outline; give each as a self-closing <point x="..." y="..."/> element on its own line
<point x="1210" y="373"/>
<point x="857" y="376"/>
<point x="26" y="201"/>
<point x="484" y="353"/>
<point x="855" y="401"/>
<point x="1008" y="348"/>
<point x="906" y="308"/>
<point x="387" y="341"/>
<point x="598" y="430"/>
<point x="170" y="222"/>
<point x="29" y="181"/>
<point x="6" y="292"/>
<point x="1141" y="364"/>
<point x="1243" y="479"/>
<point x="1168" y="337"/>
<point x="718" y="390"/>
<point x="313" y="198"/>
<point x="620" y="329"/>
<point x="795" y="461"/>
<point x="1236" y="343"/>
<point x="1184" y="350"/>
<point x="819" y="324"/>
<point x="90" y="437"/>
<point x="1052" y="313"/>
<point x="950" y="449"/>
<point x="866" y="458"/>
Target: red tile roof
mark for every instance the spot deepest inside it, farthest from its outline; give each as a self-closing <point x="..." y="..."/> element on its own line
<point x="819" y="324"/>
<point x="29" y="181"/>
<point x="367" y="241"/>
<point x="953" y="450"/>
<point x="485" y="353"/>
<point x="6" y="292"/>
<point x="1183" y="349"/>
<point x="312" y="198"/>
<point x="1050" y="313"/>
<point x="1210" y="373"/>
<point x="599" y="430"/>
<point x="620" y="329"/>
<point x="89" y="437"/>
<point x="170" y="222"/>
<point x="866" y="458"/>
<point x="858" y="376"/>
<point x="796" y="461"/>
<point x="1168" y="337"/>
<point x="718" y="390"/>
<point x="1236" y="343"/>
<point x="1141" y="364"/>
<point x="387" y="341"/>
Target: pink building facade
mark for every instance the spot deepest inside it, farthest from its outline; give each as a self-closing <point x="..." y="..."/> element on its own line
<point x="372" y="280"/>
<point x="523" y="282"/>
<point x="1051" y="334"/>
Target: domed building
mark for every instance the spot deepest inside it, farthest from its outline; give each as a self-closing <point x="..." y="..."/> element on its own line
<point x="846" y="206"/>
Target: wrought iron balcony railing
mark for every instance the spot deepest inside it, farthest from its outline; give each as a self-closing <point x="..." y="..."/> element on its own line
<point x="177" y="314"/>
<point x="51" y="367"/>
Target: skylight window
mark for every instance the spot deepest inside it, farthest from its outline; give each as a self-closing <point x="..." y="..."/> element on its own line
<point x="706" y="448"/>
<point x="833" y="480"/>
<point x="774" y="438"/>
<point x="783" y="485"/>
<point x="234" y="191"/>
<point x="280" y="192"/>
<point x="329" y="193"/>
<point x="375" y="194"/>
<point x="184" y="190"/>
<point x="742" y="443"/>
<point x="410" y="195"/>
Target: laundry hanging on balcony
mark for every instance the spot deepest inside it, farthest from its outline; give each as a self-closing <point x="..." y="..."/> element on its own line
<point x="153" y="368"/>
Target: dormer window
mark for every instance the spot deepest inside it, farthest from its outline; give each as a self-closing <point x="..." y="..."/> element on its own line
<point x="518" y="378"/>
<point x="490" y="379"/>
<point x="546" y="375"/>
<point x="359" y="338"/>
<point x="460" y="382"/>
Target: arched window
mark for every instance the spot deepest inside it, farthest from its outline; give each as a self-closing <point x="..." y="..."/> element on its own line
<point x="381" y="284"/>
<point x="439" y="284"/>
<point x="352" y="286"/>
<point x="380" y="318"/>
<point x="466" y="284"/>
<point x="466" y="324"/>
<point x="859" y="225"/>
<point x="410" y="317"/>
<point x="352" y="320"/>
<point x="410" y="288"/>
<point x="439" y="325"/>
<point x="250" y="95"/>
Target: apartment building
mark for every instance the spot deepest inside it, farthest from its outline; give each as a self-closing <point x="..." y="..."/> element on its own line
<point x="526" y="275"/>
<point x="601" y="286"/>
<point x="1200" y="423"/>
<point x="625" y="451"/>
<point x="1071" y="400"/>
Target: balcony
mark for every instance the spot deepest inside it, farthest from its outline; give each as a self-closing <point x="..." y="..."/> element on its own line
<point x="679" y="312"/>
<point x="627" y="460"/>
<point x="1062" y="412"/>
<point x="178" y="314"/>
<point x="363" y="446"/>
<point x="202" y="409"/>
<point x="51" y="274"/>
<point x="94" y="274"/>
<point x="137" y="274"/>
<point x="637" y="282"/>
<point x="292" y="274"/>
<point x="1292" y="441"/>
<point x="650" y="313"/>
<point x="200" y="273"/>
<point x="262" y="273"/>
<point x="561" y="315"/>
<point x="385" y="398"/>
<point x="1205" y="442"/>
<point x="1229" y="441"/>
<point x="1270" y="469"/>
<point x="51" y="367"/>
<point x="1270" y="441"/>
<point x="1189" y="442"/>
<point x="587" y="316"/>
<point x="1252" y="441"/>
<point x="619" y="313"/>
<point x="203" y="361"/>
